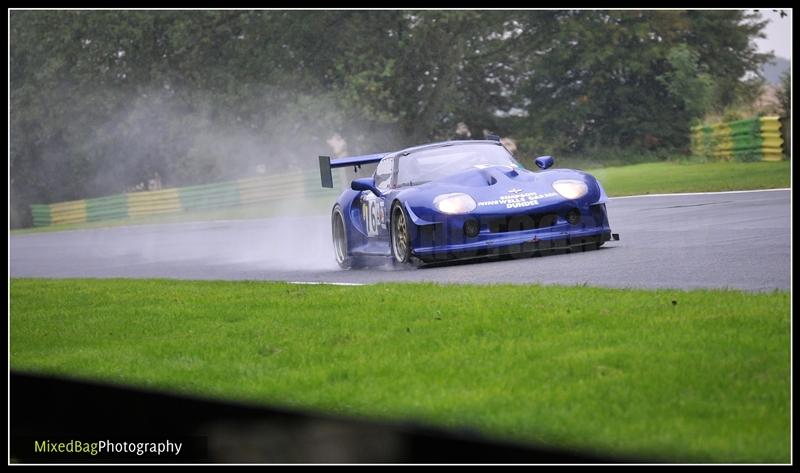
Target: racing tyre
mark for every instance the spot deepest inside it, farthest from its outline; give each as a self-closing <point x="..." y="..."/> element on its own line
<point x="401" y="242"/>
<point x="341" y="252"/>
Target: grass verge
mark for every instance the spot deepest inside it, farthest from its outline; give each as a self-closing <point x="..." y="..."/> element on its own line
<point x="675" y="177"/>
<point x="688" y="376"/>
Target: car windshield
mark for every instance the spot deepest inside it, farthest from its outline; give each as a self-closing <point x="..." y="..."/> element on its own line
<point x="431" y="164"/>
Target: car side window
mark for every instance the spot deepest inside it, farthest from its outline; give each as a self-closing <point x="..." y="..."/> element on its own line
<point x="383" y="173"/>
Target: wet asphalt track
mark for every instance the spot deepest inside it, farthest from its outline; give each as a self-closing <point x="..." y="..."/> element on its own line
<point x="733" y="240"/>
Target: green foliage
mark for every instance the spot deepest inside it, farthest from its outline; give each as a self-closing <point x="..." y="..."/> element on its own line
<point x="100" y="101"/>
<point x="599" y="156"/>
<point x="688" y="85"/>
<point x="605" y="78"/>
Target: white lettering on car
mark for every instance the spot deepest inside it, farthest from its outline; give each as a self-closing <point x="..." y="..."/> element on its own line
<point x="528" y="199"/>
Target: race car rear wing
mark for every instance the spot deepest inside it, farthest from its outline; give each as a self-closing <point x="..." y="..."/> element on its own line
<point x="326" y="164"/>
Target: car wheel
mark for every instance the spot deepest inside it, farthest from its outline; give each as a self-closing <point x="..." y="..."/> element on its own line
<point x="401" y="242"/>
<point x="340" y="250"/>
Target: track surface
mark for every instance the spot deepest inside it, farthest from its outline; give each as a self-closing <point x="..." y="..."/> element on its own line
<point x="733" y="240"/>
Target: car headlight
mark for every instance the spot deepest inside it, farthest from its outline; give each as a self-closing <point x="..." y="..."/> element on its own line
<point x="454" y="203"/>
<point x="570" y="189"/>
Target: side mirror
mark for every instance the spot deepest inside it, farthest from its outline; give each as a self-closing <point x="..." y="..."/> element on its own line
<point x="544" y="162"/>
<point x="365" y="184"/>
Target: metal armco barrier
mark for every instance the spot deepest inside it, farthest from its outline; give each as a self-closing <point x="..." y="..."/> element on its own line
<point x="754" y="139"/>
<point x="208" y="196"/>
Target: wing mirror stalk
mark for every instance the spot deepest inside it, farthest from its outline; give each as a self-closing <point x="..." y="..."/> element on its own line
<point x="365" y="184"/>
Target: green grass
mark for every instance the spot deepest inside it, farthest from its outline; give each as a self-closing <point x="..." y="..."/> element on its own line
<point x="617" y="371"/>
<point x="675" y="177"/>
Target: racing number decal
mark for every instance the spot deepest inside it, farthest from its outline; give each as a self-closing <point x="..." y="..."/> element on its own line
<point x="372" y="218"/>
<point x="372" y="210"/>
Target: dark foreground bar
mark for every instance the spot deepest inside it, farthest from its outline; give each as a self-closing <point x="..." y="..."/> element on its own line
<point x="48" y="414"/>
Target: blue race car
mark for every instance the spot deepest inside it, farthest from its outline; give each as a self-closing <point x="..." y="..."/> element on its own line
<point x="462" y="199"/>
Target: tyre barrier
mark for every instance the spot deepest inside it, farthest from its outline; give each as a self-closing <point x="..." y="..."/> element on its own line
<point x="754" y="139"/>
<point x="180" y="199"/>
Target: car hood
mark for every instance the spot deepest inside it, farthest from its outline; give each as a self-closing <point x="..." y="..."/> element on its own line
<point x="501" y="190"/>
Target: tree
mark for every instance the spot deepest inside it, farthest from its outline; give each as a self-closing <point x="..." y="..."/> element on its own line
<point x="785" y="93"/>
<point x="615" y="79"/>
<point x="102" y="100"/>
<point x="690" y="87"/>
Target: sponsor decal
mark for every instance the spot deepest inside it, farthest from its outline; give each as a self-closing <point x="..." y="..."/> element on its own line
<point x="528" y="199"/>
<point x="506" y="166"/>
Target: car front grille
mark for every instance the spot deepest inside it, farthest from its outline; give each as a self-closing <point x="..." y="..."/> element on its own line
<point x="523" y="222"/>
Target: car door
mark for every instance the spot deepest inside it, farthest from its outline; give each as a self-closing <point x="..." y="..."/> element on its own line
<point x="373" y="207"/>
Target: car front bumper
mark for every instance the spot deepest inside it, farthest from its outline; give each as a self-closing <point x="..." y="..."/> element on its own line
<point x="517" y="243"/>
<point x="555" y="228"/>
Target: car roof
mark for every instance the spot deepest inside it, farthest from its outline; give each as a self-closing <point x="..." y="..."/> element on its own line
<point x="413" y="149"/>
